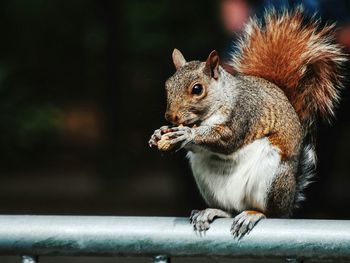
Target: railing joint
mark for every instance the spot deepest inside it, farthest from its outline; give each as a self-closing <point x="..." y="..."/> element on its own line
<point x="161" y="259"/>
<point x="29" y="259"/>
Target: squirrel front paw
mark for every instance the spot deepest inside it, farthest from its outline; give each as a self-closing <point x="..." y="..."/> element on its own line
<point x="178" y="137"/>
<point x="244" y="222"/>
<point x="166" y="138"/>
<point x="201" y="219"/>
<point x="157" y="136"/>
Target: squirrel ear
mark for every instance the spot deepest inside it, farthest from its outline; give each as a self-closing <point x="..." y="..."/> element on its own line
<point x="178" y="59"/>
<point x="212" y="64"/>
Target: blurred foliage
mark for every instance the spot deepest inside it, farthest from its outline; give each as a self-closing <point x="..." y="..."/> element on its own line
<point x="55" y="54"/>
<point x="82" y="89"/>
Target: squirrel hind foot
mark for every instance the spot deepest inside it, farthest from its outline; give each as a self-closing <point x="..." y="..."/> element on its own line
<point x="244" y="222"/>
<point x="201" y="219"/>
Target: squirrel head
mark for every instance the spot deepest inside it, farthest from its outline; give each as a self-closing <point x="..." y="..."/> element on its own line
<point x="191" y="90"/>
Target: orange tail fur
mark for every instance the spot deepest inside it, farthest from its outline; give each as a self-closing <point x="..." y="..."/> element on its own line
<point x="300" y="58"/>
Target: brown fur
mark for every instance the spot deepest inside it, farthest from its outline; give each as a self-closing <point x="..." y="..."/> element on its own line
<point x="228" y="68"/>
<point x="302" y="60"/>
<point x="252" y="212"/>
<point x="277" y="120"/>
<point x="180" y="101"/>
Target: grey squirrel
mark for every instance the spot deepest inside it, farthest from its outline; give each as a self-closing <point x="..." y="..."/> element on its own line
<point x="249" y="130"/>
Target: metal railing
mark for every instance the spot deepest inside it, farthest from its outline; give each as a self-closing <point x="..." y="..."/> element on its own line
<point x="165" y="237"/>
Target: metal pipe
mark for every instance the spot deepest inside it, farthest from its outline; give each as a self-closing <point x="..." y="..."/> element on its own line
<point x="134" y="236"/>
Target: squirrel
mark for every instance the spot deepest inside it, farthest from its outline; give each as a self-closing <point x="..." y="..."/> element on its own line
<point x="248" y="125"/>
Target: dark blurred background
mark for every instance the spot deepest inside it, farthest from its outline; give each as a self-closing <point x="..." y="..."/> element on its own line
<point x="82" y="89"/>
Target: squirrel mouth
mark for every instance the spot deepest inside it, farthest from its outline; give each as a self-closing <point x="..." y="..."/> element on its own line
<point x="191" y="124"/>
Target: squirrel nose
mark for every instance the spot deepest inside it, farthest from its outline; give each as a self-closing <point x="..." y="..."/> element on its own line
<point x="171" y="117"/>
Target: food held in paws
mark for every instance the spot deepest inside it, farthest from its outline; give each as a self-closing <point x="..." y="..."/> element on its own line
<point x="164" y="144"/>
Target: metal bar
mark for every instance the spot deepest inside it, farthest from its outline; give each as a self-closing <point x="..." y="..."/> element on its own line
<point x="29" y="259"/>
<point x="134" y="236"/>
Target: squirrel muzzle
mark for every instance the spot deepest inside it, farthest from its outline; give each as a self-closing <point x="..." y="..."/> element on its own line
<point x="172" y="117"/>
<point x="181" y="119"/>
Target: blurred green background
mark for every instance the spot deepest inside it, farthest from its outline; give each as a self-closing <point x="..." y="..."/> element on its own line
<point x="81" y="91"/>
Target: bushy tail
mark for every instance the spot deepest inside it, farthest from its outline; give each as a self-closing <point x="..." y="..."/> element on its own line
<point x="301" y="58"/>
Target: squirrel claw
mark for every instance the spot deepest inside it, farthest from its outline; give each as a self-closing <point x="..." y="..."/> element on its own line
<point x="181" y="136"/>
<point x="157" y="135"/>
<point x="154" y="140"/>
<point x="245" y="222"/>
<point x="201" y="219"/>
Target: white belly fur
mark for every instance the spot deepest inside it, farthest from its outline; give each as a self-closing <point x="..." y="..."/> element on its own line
<point x="237" y="181"/>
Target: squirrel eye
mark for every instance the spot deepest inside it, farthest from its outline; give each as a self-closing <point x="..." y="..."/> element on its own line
<point x="197" y="89"/>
